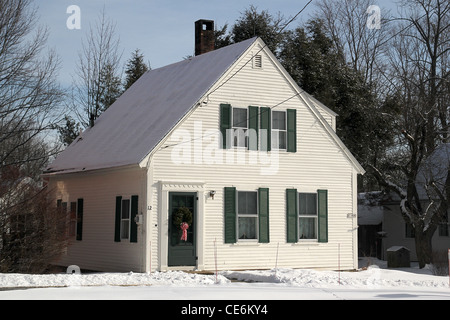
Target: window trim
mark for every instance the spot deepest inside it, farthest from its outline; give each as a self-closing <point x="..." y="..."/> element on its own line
<point x="238" y="215"/>
<point x="315" y="217"/>
<point x="237" y="129"/>
<point x="278" y="130"/>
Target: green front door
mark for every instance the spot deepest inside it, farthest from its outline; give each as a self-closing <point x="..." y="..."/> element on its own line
<point x="182" y="250"/>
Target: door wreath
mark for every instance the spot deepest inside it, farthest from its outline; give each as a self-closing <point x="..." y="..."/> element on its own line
<point x="182" y="215"/>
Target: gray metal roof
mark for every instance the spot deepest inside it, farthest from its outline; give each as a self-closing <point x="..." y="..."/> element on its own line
<point x="130" y="129"/>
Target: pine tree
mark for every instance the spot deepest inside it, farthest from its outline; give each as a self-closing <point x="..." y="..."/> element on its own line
<point x="69" y="132"/>
<point x="320" y="69"/>
<point x="135" y="68"/>
<point x="254" y="23"/>
<point x="111" y="87"/>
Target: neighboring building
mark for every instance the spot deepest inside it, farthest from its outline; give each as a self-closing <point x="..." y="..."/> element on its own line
<point x="370" y="224"/>
<point x="281" y="189"/>
<point x="380" y="219"/>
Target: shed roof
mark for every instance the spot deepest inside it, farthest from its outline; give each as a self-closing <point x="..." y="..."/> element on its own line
<point x="134" y="125"/>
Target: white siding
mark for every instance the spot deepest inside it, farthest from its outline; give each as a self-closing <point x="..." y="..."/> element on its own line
<point x="318" y="164"/>
<point x="97" y="249"/>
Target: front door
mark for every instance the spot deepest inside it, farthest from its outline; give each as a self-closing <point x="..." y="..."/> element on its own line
<point x="182" y="235"/>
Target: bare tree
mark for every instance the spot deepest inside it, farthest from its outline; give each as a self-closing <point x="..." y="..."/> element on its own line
<point x="347" y="24"/>
<point x="33" y="232"/>
<point x="419" y="76"/>
<point x="98" y="80"/>
<point x="29" y="103"/>
<point x="29" y="94"/>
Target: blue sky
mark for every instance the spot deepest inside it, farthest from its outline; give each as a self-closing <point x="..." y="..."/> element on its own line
<point x="162" y="29"/>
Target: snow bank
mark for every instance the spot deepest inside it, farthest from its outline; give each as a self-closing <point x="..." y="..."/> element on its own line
<point x="175" y="278"/>
<point x="373" y="277"/>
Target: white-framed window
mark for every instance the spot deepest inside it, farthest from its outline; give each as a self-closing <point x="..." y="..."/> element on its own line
<point x="307" y="216"/>
<point x="125" y="219"/>
<point x="240" y="128"/>
<point x="247" y="215"/>
<point x="279" y="130"/>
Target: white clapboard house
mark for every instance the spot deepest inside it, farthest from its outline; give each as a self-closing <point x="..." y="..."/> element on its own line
<point x="226" y="142"/>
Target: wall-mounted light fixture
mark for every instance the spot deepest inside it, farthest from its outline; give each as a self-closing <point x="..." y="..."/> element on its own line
<point x="212" y="194"/>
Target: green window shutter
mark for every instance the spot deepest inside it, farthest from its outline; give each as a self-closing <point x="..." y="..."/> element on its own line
<point x="322" y="209"/>
<point x="291" y="130"/>
<point x="230" y="215"/>
<point x="80" y="203"/>
<point x="253" y="126"/>
<point x="225" y="124"/>
<point x="134" y="212"/>
<point x="291" y="215"/>
<point x="263" y="196"/>
<point x="118" y="218"/>
<point x="265" y="133"/>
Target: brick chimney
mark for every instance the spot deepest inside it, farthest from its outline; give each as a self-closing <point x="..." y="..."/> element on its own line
<point x="204" y="36"/>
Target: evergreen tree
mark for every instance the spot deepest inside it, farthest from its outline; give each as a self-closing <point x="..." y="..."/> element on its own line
<point x="253" y="23"/>
<point x="222" y="37"/>
<point x="320" y="69"/>
<point x="135" y="68"/>
<point x="69" y="132"/>
<point x="110" y="87"/>
<point x="262" y="24"/>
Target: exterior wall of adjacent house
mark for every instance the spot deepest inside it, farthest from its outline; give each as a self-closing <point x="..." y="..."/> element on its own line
<point x="192" y="161"/>
<point x="97" y="250"/>
<point x="396" y="235"/>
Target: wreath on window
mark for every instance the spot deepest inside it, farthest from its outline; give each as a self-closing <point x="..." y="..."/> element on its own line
<point x="183" y="214"/>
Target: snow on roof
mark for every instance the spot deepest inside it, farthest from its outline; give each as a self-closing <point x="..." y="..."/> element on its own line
<point x="397" y="248"/>
<point x="130" y="129"/>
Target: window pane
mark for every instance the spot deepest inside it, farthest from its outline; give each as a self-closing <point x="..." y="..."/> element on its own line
<point x="307" y="228"/>
<point x="247" y="228"/>
<point x="240" y="138"/>
<point x="274" y="138"/>
<point x="239" y="118"/>
<point x="252" y="206"/>
<point x="279" y="140"/>
<point x="247" y="203"/>
<point x="242" y="202"/>
<point x="307" y="204"/>
<point x="282" y="140"/>
<point x="125" y="209"/>
<point x="125" y="226"/>
<point x="279" y="120"/>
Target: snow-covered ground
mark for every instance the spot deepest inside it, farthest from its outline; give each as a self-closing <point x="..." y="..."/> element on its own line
<point x="374" y="282"/>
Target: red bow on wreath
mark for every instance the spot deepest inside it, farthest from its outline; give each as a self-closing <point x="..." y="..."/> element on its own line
<point x="184" y="227"/>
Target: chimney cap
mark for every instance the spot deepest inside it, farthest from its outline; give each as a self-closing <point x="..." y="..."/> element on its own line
<point x="206" y="22"/>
